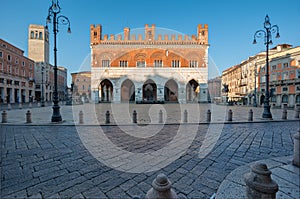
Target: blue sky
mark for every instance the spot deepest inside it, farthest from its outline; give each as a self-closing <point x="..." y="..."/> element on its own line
<point x="232" y="24"/>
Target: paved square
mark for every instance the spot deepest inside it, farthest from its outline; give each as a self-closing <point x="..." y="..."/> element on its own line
<point x="50" y="161"/>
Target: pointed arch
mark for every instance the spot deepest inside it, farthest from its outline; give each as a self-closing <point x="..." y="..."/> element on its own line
<point x="106" y="90"/>
<point x="127" y="91"/>
<point x="171" y="91"/>
<point x="149" y="91"/>
<point x="192" y="91"/>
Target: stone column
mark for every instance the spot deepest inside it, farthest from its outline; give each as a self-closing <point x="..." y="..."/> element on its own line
<point x="203" y="94"/>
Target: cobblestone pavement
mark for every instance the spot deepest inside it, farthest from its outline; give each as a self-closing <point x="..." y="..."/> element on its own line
<point x="50" y="161"/>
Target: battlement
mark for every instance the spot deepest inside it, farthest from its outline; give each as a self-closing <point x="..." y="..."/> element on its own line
<point x="149" y="35"/>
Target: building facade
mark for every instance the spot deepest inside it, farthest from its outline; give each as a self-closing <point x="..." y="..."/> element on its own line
<point x="16" y="75"/>
<point x="155" y="67"/>
<point x="246" y="81"/>
<point x="81" y="83"/>
<point x="214" y="89"/>
<point x="62" y="85"/>
<point x="284" y="79"/>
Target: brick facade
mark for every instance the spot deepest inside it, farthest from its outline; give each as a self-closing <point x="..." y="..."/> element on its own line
<point x="149" y="68"/>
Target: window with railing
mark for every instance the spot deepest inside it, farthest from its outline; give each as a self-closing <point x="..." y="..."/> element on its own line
<point x="158" y="63"/>
<point x="298" y="99"/>
<point x="105" y="63"/>
<point x="285" y="65"/>
<point x="284" y="89"/>
<point x="285" y="99"/>
<point x="123" y="63"/>
<point x="175" y="63"/>
<point x="285" y="76"/>
<point x="193" y="64"/>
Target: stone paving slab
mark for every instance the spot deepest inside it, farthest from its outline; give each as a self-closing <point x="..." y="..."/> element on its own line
<point x="51" y="161"/>
<point x="283" y="173"/>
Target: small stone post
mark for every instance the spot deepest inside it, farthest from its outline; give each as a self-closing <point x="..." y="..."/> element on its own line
<point x="259" y="184"/>
<point x="208" y="116"/>
<point x="4" y="117"/>
<point x="284" y="114"/>
<point x="20" y="106"/>
<point x="28" y="117"/>
<point x="250" y="115"/>
<point x="107" y="118"/>
<point x="296" y="156"/>
<point x="160" y="116"/>
<point x="161" y="188"/>
<point x="185" y="116"/>
<point x="30" y="104"/>
<point x="297" y="112"/>
<point x="229" y="116"/>
<point x="134" y="117"/>
<point x="81" y="117"/>
<point x="8" y="106"/>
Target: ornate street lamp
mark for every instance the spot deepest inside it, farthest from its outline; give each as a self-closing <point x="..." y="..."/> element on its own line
<point x="53" y="11"/>
<point x="42" y="94"/>
<point x="267" y="35"/>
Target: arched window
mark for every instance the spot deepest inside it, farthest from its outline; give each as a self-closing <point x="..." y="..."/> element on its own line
<point x="40" y="35"/>
<point x="298" y="99"/>
<point x="285" y="99"/>
<point x="31" y="35"/>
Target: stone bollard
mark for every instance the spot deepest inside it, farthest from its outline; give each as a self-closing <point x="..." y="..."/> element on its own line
<point x="296" y="156"/>
<point x="161" y="188"/>
<point x="9" y="107"/>
<point x="4" y="117"/>
<point x="134" y="117"/>
<point x="160" y="116"/>
<point x="259" y="183"/>
<point x="20" y="106"/>
<point x="229" y="116"/>
<point x="81" y="117"/>
<point x="250" y="115"/>
<point x="284" y="114"/>
<point x="107" y="117"/>
<point x="185" y="116"/>
<point x="39" y="104"/>
<point x="28" y="117"/>
<point x="30" y="104"/>
<point x="208" y="116"/>
<point x="297" y="112"/>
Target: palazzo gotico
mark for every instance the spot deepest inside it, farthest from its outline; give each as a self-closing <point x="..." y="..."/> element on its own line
<point x="149" y="65"/>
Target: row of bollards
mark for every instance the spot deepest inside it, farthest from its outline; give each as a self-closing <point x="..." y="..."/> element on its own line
<point x="259" y="185"/>
<point x="28" y="117"/>
<point x="229" y="117"/>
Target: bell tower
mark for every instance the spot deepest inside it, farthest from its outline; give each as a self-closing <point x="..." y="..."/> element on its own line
<point x="38" y="43"/>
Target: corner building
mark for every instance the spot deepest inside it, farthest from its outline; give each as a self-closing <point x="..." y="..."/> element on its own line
<point x="152" y="65"/>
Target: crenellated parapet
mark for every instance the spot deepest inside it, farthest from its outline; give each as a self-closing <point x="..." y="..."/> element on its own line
<point x="149" y="36"/>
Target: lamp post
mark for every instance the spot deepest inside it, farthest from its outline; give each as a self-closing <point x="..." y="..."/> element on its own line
<point x="42" y="94"/>
<point x="267" y="35"/>
<point x="53" y="12"/>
